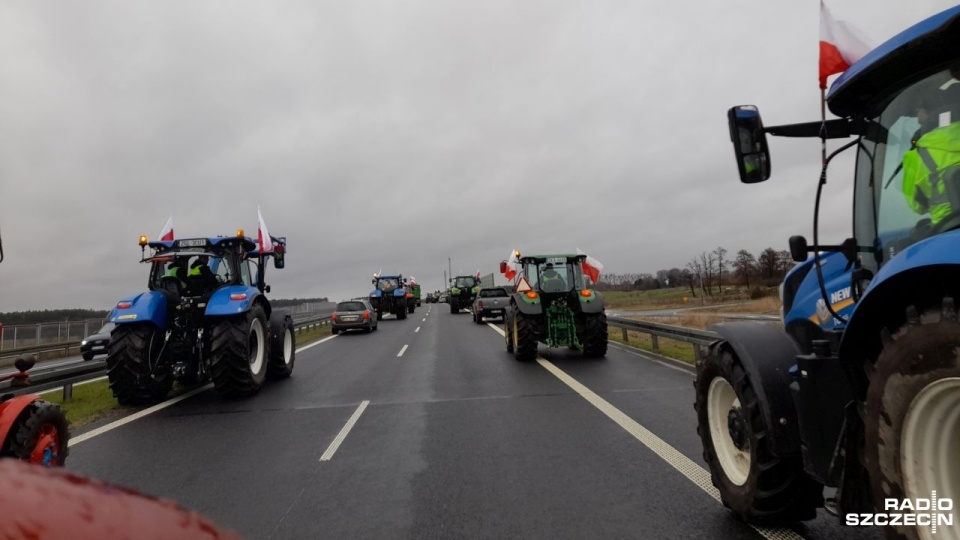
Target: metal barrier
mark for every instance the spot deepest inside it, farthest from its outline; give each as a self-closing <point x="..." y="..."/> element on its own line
<point x="42" y="379"/>
<point x="697" y="338"/>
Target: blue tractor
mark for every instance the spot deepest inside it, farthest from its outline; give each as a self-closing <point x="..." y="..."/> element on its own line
<point x="389" y="296"/>
<point x="860" y="391"/>
<point x="204" y="316"/>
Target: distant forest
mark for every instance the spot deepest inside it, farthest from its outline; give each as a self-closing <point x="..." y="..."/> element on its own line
<point x="63" y="315"/>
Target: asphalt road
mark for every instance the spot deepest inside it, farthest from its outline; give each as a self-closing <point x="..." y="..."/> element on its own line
<point x="450" y="438"/>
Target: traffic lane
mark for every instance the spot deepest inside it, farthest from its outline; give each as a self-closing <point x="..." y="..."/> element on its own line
<point x="243" y="470"/>
<point x="661" y="399"/>
<point x="538" y="466"/>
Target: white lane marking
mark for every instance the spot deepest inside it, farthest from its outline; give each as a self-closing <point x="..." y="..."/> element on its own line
<point x="343" y="432"/>
<point x="424" y="319"/>
<point x="417" y="330"/>
<point x="315" y="343"/>
<point x="403" y="350"/>
<point x="127" y="419"/>
<point x="687" y="467"/>
<point x="497" y="328"/>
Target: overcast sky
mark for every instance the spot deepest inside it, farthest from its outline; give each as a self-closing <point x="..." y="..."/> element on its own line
<point x="395" y="134"/>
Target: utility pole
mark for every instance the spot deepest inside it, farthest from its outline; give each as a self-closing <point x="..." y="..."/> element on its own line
<point x="444" y="279"/>
<point x="450" y="267"/>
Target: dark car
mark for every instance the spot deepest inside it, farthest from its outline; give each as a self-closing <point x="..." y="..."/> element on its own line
<point x="354" y="315"/>
<point x="490" y="302"/>
<point x="96" y="343"/>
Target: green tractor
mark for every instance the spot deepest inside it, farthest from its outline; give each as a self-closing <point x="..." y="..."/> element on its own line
<point x="463" y="291"/>
<point x="552" y="305"/>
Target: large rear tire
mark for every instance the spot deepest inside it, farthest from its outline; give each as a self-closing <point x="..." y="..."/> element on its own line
<point x="595" y="335"/>
<point x="754" y="484"/>
<point x="40" y="435"/>
<point x="401" y="311"/>
<point x="508" y="333"/>
<point x="238" y="353"/>
<point x="283" y="351"/>
<point x="524" y="334"/>
<point x="911" y="424"/>
<point x="454" y="306"/>
<point x="134" y="352"/>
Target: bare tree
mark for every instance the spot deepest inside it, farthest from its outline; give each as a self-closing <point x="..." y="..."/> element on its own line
<point x="744" y="265"/>
<point x="719" y="253"/>
<point x="696" y="273"/>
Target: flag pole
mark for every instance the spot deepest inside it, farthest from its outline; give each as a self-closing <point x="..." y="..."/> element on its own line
<point x="823" y="119"/>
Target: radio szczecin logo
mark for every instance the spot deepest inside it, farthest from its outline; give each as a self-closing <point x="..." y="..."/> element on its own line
<point x="932" y="512"/>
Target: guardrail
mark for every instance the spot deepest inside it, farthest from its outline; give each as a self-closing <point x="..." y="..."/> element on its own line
<point x="65" y="346"/>
<point x="42" y="379"/>
<point x="697" y="338"/>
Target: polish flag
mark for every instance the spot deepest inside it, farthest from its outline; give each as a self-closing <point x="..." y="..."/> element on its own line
<point x="512" y="264"/>
<point x="840" y="45"/>
<point x="263" y="236"/>
<point x="591" y="267"/>
<point x="166" y="235"/>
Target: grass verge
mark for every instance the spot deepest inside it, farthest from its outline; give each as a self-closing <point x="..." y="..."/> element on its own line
<point x="93" y="401"/>
<point x="668" y="347"/>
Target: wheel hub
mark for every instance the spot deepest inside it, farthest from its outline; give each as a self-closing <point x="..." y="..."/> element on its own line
<point x="737" y="427"/>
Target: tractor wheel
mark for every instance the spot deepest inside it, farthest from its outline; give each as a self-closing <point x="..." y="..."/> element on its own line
<point x="411" y="308"/>
<point x="524" y="334"/>
<point x="911" y="425"/>
<point x="595" y="336"/>
<point x="134" y="352"/>
<point x="40" y="435"/>
<point x="454" y="306"/>
<point x="238" y="353"/>
<point x="508" y="333"/>
<point x="379" y="313"/>
<point x="283" y="352"/>
<point x="401" y="312"/>
<point x="757" y="486"/>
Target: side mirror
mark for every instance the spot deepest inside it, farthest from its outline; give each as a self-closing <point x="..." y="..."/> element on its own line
<point x="798" y="248"/>
<point x="266" y="288"/>
<point x="278" y="260"/>
<point x="749" y="143"/>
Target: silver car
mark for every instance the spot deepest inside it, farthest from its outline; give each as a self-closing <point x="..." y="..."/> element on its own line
<point x="354" y="315"/>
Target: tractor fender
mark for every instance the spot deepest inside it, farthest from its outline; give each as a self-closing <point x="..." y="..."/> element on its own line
<point x="150" y="306"/>
<point x="921" y="276"/>
<point x="376" y="294"/>
<point x="10" y="410"/>
<point x="231" y="300"/>
<point x="278" y="323"/>
<point x="525" y="306"/>
<point x="399" y="293"/>
<point x="592" y="303"/>
<point x="767" y="353"/>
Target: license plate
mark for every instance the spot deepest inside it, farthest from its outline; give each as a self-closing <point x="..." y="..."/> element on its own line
<point x="97" y="347"/>
<point x="349" y="319"/>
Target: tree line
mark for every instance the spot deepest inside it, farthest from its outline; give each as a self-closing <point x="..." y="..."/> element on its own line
<point x="708" y="272"/>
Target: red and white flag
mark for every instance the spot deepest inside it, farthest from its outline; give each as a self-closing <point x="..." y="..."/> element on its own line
<point x="263" y="236"/>
<point x="840" y="45"/>
<point x="166" y="234"/>
<point x="591" y="267"/>
<point x="512" y="263"/>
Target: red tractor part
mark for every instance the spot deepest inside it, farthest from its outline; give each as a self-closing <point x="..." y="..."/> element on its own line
<point x="53" y="503"/>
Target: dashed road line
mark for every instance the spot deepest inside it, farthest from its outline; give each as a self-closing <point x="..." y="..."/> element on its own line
<point x="417" y="330"/>
<point x="344" y="432"/>
<point x="403" y="350"/>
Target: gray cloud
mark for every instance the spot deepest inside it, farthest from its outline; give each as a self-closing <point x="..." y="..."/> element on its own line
<point x="368" y="131"/>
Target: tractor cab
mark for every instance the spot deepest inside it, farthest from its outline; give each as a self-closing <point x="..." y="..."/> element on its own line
<point x="554" y="274"/>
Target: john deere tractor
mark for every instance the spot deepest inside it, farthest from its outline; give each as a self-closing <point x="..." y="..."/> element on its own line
<point x="860" y="389"/>
<point x="550" y="305"/>
<point x="462" y="292"/>
<point x="204" y="316"/>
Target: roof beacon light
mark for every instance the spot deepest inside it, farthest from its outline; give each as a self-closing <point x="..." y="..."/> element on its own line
<point x="143" y="240"/>
<point x="240" y="233"/>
